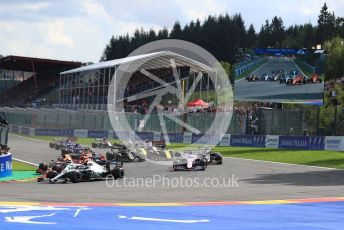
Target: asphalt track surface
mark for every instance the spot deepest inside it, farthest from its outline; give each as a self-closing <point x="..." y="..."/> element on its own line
<point x="270" y="91"/>
<point x="257" y="180"/>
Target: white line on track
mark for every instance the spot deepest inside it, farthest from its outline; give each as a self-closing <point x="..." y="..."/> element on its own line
<point x="28" y="138"/>
<point x="282" y="163"/>
<point x="26" y="162"/>
<point x="299" y="68"/>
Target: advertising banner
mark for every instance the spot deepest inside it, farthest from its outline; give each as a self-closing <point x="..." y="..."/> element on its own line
<point x="248" y="140"/>
<point x="5" y="165"/>
<point x="317" y="143"/>
<point x="294" y="142"/>
<point x="187" y="138"/>
<point x="145" y="136"/>
<point x="156" y="136"/>
<point x="32" y="132"/>
<point x="226" y="140"/>
<point x="175" y="137"/>
<point x="80" y="133"/>
<point x="54" y="132"/>
<point x="334" y="143"/>
<point x="271" y="141"/>
<point x="97" y="134"/>
<point x="110" y="134"/>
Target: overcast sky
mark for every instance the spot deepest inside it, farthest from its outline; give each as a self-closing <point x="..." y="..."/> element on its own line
<point x="79" y="29"/>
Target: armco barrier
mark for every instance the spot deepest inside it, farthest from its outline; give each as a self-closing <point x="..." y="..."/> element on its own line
<point x="5" y="165"/>
<point x="262" y="141"/>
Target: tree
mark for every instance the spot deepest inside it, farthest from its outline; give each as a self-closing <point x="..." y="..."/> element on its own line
<point x="335" y="58"/>
<point x="176" y="31"/>
<point x="308" y="36"/>
<point x="326" y="25"/>
<point x="276" y="32"/>
<point x="230" y="71"/>
<point x="251" y="37"/>
<point x="264" y="35"/>
<point x="163" y="34"/>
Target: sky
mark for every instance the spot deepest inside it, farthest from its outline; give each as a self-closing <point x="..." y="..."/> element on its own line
<point x="78" y="30"/>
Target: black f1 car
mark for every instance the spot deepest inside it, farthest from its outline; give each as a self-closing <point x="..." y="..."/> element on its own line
<point x="59" y="143"/>
<point x="252" y="77"/>
<point x="120" y="152"/>
<point x="213" y="158"/>
<point x="101" y="143"/>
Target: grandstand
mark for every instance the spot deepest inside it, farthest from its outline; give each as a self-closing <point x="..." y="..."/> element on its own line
<point x="87" y="87"/>
<point x="25" y="79"/>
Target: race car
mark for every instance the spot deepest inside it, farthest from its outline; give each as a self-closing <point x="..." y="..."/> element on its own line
<point x="59" y="143"/>
<point x="188" y="161"/>
<point x="296" y="80"/>
<point x="252" y="77"/>
<point x="265" y="77"/>
<point x="101" y="143"/>
<point x="71" y="147"/>
<point x="76" y="173"/>
<point x="315" y="78"/>
<point x="213" y="158"/>
<point x="294" y="72"/>
<point x="82" y="155"/>
<point x="279" y="77"/>
<point x="120" y="152"/>
<point x="159" y="144"/>
<point x="156" y="153"/>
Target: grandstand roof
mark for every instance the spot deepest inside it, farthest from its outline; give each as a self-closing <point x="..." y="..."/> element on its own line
<point x="147" y="61"/>
<point x="30" y="64"/>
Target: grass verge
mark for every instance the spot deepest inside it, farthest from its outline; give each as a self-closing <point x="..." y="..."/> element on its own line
<point x="20" y="166"/>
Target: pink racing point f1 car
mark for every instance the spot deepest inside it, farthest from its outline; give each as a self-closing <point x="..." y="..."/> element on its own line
<point x="189" y="161"/>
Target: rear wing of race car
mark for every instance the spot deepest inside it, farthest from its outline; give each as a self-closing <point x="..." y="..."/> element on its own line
<point x="160" y="144"/>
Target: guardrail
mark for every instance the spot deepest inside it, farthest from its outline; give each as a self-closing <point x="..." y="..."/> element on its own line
<point x="335" y="143"/>
<point x="247" y="67"/>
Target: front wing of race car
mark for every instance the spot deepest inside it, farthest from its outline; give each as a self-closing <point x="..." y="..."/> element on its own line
<point x="189" y="164"/>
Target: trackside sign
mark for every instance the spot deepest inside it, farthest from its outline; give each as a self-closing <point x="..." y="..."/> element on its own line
<point x="334" y="143"/>
<point x="271" y="141"/>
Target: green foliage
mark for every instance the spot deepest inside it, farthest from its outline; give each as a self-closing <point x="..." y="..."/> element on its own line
<point x="326" y="25"/>
<point x="335" y="58"/>
<point x="230" y="71"/>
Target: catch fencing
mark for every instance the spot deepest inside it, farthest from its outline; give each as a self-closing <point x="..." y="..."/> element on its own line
<point x="263" y="121"/>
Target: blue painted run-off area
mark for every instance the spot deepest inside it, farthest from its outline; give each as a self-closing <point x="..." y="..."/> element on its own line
<point x="327" y="215"/>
